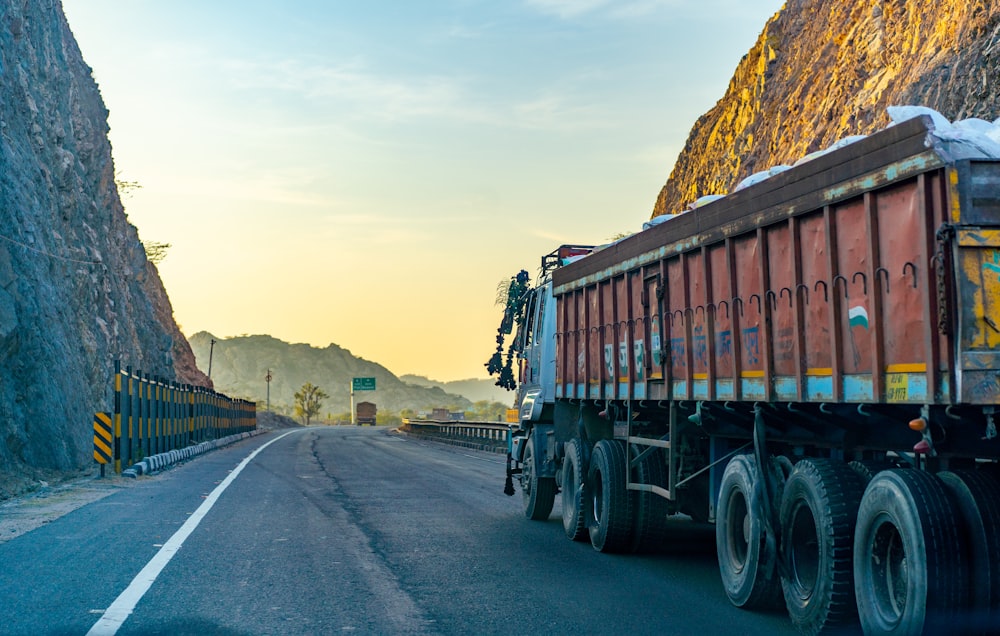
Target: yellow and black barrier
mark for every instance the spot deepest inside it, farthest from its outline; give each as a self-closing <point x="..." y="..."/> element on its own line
<point x="153" y="415"/>
<point x="103" y="451"/>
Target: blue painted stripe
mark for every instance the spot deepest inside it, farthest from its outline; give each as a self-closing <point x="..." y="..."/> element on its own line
<point x="819" y="388"/>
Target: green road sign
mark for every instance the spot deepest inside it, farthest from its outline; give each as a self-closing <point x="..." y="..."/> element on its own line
<point x="363" y="384"/>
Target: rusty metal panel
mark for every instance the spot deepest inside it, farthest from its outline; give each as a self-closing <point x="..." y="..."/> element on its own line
<point x="895" y="282"/>
<point x="579" y="351"/>
<point x="651" y="288"/>
<point x="677" y="329"/>
<point x="595" y="344"/>
<point x="722" y="318"/>
<point x="814" y="291"/>
<point x="595" y="335"/>
<point x="609" y="339"/>
<point x="638" y="339"/>
<point x="780" y="297"/>
<point x="695" y="315"/>
<point x="749" y="303"/>
<point x="849" y="286"/>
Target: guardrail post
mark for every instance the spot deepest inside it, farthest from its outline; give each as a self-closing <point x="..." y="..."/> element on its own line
<point x="149" y="414"/>
<point x="129" y="451"/>
<point x="175" y="434"/>
<point x="118" y="417"/>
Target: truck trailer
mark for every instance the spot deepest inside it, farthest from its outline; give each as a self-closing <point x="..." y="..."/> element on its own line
<point x="811" y="363"/>
<point x="365" y="413"/>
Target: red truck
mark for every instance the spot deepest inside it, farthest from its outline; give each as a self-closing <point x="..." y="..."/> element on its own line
<point x="811" y="363"/>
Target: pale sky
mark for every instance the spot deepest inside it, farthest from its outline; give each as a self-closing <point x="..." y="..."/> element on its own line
<point x="365" y="173"/>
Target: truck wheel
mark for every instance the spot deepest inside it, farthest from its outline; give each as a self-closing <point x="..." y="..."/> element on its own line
<point x="746" y="563"/>
<point x="819" y="510"/>
<point x="909" y="563"/>
<point x="610" y="512"/>
<point x="977" y="497"/>
<point x="651" y="510"/>
<point x="574" y="492"/>
<point x="539" y="493"/>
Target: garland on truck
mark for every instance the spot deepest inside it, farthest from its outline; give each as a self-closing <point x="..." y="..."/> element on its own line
<point x="516" y="295"/>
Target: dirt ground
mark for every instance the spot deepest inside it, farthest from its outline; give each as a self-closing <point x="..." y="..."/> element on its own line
<point x="49" y="502"/>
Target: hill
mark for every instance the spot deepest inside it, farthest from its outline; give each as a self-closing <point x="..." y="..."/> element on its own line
<point x="240" y="364"/>
<point x="473" y="389"/>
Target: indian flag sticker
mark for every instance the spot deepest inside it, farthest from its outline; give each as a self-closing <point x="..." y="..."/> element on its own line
<point x="857" y="317"/>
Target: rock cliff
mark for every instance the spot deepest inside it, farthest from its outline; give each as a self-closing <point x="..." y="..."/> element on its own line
<point x="76" y="289"/>
<point x="822" y="70"/>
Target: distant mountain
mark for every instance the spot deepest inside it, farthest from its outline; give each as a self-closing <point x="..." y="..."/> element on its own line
<point x="240" y="364"/>
<point x="473" y="389"/>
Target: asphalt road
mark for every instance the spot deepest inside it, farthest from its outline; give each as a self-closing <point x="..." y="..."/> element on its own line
<point x="351" y="530"/>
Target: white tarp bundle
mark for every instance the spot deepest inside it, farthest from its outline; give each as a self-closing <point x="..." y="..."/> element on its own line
<point x="971" y="138"/>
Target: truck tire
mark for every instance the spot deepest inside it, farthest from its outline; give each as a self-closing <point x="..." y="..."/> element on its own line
<point x="977" y="497"/>
<point x="539" y="493"/>
<point x="574" y="492"/>
<point x="650" y="509"/>
<point x="909" y="563"/>
<point x="819" y="510"/>
<point x="746" y="563"/>
<point x="610" y="510"/>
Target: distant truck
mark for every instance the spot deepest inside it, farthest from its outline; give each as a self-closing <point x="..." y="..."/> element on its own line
<point x="365" y="413"/>
<point x="811" y="363"/>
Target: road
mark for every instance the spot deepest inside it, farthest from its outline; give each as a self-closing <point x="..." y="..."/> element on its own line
<point x="348" y="530"/>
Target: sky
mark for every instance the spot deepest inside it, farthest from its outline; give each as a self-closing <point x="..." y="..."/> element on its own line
<point x="366" y="173"/>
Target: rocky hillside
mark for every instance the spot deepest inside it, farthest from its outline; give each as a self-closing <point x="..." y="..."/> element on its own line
<point x="240" y="364"/>
<point x="826" y="69"/>
<point x="76" y="289"/>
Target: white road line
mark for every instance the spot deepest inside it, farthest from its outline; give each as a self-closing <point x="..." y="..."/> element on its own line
<point x="114" y="617"/>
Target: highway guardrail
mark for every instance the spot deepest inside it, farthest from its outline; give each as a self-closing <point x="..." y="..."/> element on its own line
<point x="152" y="416"/>
<point x="485" y="435"/>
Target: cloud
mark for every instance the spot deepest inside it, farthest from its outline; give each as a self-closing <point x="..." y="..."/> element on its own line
<point x="350" y="84"/>
<point x="352" y="92"/>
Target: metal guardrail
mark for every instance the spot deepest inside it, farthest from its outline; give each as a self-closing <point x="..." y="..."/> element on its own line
<point x="153" y="416"/>
<point x="496" y="432"/>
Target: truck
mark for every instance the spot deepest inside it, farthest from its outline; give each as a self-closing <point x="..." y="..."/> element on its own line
<point x="365" y="413"/>
<point x="811" y="364"/>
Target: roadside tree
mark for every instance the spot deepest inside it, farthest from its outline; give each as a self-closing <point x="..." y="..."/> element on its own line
<point x="309" y="402"/>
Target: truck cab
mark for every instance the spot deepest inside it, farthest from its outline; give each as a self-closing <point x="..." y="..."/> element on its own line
<point x="532" y="444"/>
<point x="537" y="356"/>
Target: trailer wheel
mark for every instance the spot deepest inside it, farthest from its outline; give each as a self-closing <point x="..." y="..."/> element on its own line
<point x="746" y="563"/>
<point x="574" y="492"/>
<point x="819" y="510"/>
<point x="610" y="513"/>
<point x="909" y="566"/>
<point x="539" y="493"/>
<point x="650" y="509"/>
<point x="977" y="497"/>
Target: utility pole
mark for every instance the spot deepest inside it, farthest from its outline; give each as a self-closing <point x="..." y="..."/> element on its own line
<point x="211" y="350"/>
<point x="268" y="378"/>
